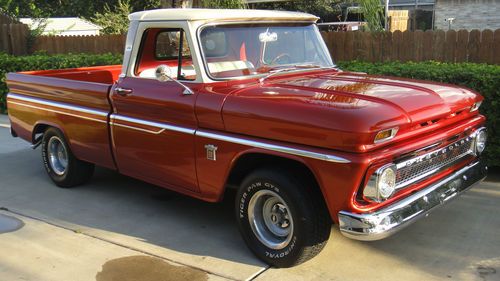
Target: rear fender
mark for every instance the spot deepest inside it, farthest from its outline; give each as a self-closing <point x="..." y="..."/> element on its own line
<point x="40" y="128"/>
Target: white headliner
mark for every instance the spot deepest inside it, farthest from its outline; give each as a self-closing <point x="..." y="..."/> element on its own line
<point x="219" y="14"/>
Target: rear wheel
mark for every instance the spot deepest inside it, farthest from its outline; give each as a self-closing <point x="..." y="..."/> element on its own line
<point x="282" y="217"/>
<point x="62" y="166"/>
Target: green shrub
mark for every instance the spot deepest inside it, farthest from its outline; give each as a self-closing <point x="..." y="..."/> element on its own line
<point x="42" y="61"/>
<point x="482" y="78"/>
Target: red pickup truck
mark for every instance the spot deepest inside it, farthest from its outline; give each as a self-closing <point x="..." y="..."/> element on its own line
<point x="208" y="100"/>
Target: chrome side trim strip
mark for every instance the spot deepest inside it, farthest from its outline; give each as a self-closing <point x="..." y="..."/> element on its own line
<point x="161" y="126"/>
<point x="57" y="104"/>
<point x="272" y="147"/>
<point x="57" y="111"/>
<point x="138" y="129"/>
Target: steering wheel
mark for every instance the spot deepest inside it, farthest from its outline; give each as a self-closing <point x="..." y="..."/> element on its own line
<point x="281" y="56"/>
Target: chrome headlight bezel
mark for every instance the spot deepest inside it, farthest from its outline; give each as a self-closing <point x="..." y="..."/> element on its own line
<point x="480" y="138"/>
<point x="375" y="190"/>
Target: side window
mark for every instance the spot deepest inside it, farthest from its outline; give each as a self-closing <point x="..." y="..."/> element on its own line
<point x="168" y="43"/>
<point x="160" y="46"/>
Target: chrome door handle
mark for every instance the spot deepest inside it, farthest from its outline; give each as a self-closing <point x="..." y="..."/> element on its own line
<point x="123" y="91"/>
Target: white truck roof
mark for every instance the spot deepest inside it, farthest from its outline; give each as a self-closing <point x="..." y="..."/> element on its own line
<point x="220" y="14"/>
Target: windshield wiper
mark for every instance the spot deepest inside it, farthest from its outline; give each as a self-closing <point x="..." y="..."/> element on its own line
<point x="295" y="67"/>
<point x="272" y="73"/>
<point x="318" y="66"/>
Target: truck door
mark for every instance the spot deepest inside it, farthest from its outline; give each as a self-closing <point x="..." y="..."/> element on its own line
<point x="153" y="122"/>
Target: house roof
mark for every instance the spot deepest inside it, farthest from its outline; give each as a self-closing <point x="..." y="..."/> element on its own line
<point x="219" y="14"/>
<point x="63" y="24"/>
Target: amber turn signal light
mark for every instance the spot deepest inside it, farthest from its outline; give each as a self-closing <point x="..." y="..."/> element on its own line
<point x="386" y="135"/>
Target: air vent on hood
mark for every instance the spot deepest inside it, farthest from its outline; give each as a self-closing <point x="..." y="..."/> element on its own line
<point x="434" y="121"/>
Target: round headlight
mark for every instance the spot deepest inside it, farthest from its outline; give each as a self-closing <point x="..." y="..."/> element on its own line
<point x="481" y="141"/>
<point x="386" y="183"/>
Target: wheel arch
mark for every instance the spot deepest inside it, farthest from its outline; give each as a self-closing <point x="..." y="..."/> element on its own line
<point x="40" y="128"/>
<point x="249" y="161"/>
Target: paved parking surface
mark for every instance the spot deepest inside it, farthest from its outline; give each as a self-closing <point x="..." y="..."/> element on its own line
<point x="117" y="228"/>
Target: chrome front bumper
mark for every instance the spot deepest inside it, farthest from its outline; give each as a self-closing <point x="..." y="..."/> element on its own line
<point x="390" y="219"/>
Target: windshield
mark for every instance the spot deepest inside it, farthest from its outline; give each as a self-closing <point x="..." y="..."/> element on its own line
<point x="239" y="50"/>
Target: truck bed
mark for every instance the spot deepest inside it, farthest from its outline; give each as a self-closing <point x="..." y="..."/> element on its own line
<point x="73" y="100"/>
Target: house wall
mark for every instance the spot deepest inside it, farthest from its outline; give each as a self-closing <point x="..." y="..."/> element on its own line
<point x="468" y="14"/>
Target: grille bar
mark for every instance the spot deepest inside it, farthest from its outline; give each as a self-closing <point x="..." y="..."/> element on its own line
<point x="418" y="168"/>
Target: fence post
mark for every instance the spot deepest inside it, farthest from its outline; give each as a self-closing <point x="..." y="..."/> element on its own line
<point x="473" y="45"/>
<point x="462" y="46"/>
<point x="450" y="46"/>
<point x="496" y="43"/>
<point x="349" y="46"/>
<point x="486" y="48"/>
<point x="438" y="45"/>
<point x="386" y="46"/>
<point x="397" y="37"/>
<point x="419" y="45"/>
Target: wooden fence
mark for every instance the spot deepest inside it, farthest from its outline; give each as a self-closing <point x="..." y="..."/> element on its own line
<point x="14" y="38"/>
<point x="4" y="19"/>
<point x="446" y="46"/>
<point x="97" y="44"/>
<point x="449" y="46"/>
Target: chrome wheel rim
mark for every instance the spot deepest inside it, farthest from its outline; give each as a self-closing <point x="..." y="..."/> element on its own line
<point x="270" y="219"/>
<point x="58" y="156"/>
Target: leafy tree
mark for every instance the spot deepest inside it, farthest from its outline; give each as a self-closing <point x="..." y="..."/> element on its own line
<point x="36" y="29"/>
<point x="224" y="4"/>
<point x="68" y="8"/>
<point x="21" y="8"/>
<point x="373" y="14"/>
<point x="115" y="20"/>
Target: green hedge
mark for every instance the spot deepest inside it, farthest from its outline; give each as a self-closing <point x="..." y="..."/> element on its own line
<point x="482" y="78"/>
<point x="10" y="63"/>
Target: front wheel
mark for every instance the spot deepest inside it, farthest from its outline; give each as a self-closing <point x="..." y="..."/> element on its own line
<point x="61" y="165"/>
<point x="282" y="217"/>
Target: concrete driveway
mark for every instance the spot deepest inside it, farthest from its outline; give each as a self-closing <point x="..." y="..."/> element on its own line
<point x="118" y="228"/>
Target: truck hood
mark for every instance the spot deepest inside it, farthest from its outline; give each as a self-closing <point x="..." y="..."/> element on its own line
<point x="342" y="110"/>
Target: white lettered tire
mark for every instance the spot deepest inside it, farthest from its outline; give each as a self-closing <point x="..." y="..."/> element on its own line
<point x="282" y="217"/>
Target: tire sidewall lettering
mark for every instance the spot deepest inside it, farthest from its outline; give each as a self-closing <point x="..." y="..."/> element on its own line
<point x="45" y="157"/>
<point x="282" y="253"/>
<point x="243" y="215"/>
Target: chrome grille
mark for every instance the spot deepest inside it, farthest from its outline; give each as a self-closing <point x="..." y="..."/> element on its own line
<point x="415" y="169"/>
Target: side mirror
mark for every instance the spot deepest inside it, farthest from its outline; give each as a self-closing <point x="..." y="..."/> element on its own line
<point x="163" y="74"/>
